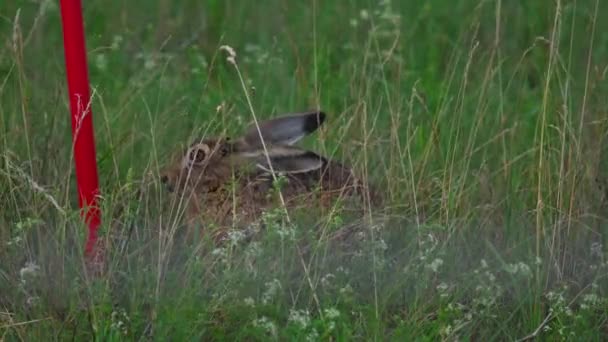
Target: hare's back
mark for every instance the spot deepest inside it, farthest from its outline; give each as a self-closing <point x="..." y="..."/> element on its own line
<point x="333" y="177"/>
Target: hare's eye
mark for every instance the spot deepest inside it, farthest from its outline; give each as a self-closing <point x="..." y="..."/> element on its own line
<point x="197" y="155"/>
<point x="223" y="151"/>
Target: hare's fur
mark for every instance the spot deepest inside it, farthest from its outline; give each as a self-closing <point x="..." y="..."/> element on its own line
<point x="229" y="183"/>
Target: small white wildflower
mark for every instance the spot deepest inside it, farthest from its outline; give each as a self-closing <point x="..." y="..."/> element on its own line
<point x="120" y="321"/>
<point x="484" y="303"/>
<point x="446" y="331"/>
<point x="32" y="301"/>
<point x="591" y="299"/>
<point x="331" y="313"/>
<point x="202" y="61"/>
<point x="149" y="62"/>
<point x="15" y="241"/>
<point x="252" y="48"/>
<point x="235" y="237"/>
<point x="231" y="53"/>
<point x="596" y="249"/>
<point x="435" y="265"/>
<point x="484" y="264"/>
<point x="260" y="56"/>
<point x="556" y="297"/>
<point x="272" y="288"/>
<point x="220" y="107"/>
<point x="286" y="232"/>
<point x="442" y="288"/>
<point x="313" y="335"/>
<point x="331" y="326"/>
<point x="300" y="318"/>
<point x="219" y="252"/>
<point x="346" y="290"/>
<point x="101" y="62"/>
<point x="253" y="249"/>
<point x="249" y="301"/>
<point x="381" y="244"/>
<point x="519" y="269"/>
<point x="266" y="324"/>
<point x="353" y="22"/>
<point x="31" y="270"/>
<point x="116" y="41"/>
<point x="364" y="14"/>
<point x="326" y="280"/>
<point x="525" y="269"/>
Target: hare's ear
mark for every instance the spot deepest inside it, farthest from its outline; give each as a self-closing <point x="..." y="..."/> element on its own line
<point x="289" y="160"/>
<point x="284" y="130"/>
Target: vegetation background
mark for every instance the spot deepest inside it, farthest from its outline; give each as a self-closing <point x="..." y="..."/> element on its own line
<point x="483" y="121"/>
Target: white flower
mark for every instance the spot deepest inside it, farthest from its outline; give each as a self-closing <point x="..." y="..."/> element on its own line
<point x="442" y="288"/>
<point x="364" y="14"/>
<point x="591" y="298"/>
<point x="346" y="290"/>
<point x="434" y="266"/>
<point x="116" y="42"/>
<point x="381" y="244"/>
<point x="326" y="279"/>
<point x="220" y="107"/>
<point x="272" y="288"/>
<point x="249" y="301"/>
<point x="519" y="268"/>
<point x="300" y="318"/>
<point x="313" y="335"/>
<point x="30" y="270"/>
<point x="219" y="252"/>
<point x="101" y="62"/>
<point x="266" y="324"/>
<point x="596" y="249"/>
<point x="235" y="237"/>
<point x="332" y="313"/>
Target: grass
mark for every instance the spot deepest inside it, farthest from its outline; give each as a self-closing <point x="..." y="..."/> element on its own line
<point x="484" y="122"/>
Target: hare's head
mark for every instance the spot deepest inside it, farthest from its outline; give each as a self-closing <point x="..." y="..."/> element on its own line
<point x="209" y="163"/>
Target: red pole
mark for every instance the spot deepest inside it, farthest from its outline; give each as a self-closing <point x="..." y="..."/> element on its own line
<point x="82" y="125"/>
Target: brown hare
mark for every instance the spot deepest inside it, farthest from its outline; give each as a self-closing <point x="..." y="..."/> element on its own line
<point x="229" y="182"/>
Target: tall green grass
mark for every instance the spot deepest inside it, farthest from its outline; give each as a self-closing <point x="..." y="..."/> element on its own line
<point x="483" y="122"/>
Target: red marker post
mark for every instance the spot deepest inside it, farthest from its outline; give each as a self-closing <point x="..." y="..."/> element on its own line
<point x="82" y="124"/>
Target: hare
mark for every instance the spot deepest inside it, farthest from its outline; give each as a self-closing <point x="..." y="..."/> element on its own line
<point x="226" y="182"/>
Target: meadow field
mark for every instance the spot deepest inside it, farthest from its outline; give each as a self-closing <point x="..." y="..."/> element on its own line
<point x="482" y="122"/>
